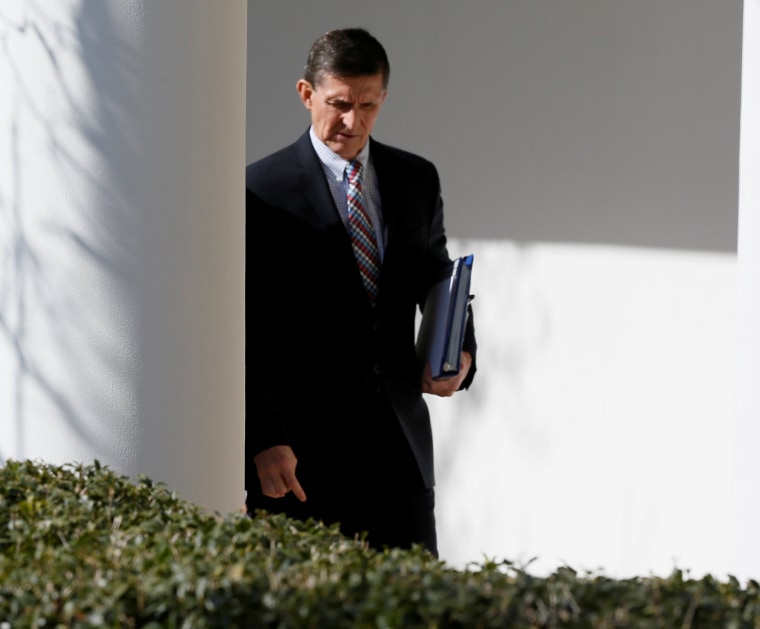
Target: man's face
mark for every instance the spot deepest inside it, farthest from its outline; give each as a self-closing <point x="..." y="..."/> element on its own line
<point x="343" y="110"/>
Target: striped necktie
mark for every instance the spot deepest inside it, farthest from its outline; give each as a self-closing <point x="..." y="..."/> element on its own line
<point x="362" y="233"/>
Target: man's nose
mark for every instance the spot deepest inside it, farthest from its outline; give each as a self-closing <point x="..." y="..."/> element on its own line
<point x="349" y="119"/>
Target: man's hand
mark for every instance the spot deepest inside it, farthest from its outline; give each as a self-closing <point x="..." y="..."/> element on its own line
<point x="276" y="468"/>
<point x="448" y="386"/>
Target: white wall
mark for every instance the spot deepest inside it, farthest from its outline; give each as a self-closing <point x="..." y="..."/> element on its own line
<point x="746" y="521"/>
<point x="600" y="430"/>
<point x="589" y="158"/>
<point x="121" y="238"/>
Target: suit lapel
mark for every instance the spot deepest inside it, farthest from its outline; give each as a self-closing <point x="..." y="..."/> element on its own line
<point x="392" y="200"/>
<point x="386" y="180"/>
<point x="316" y="190"/>
<point x="311" y="180"/>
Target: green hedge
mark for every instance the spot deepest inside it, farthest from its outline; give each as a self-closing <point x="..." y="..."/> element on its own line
<point x="82" y="546"/>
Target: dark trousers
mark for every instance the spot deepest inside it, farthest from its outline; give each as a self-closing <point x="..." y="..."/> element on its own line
<point x="388" y="521"/>
<point x="366" y="479"/>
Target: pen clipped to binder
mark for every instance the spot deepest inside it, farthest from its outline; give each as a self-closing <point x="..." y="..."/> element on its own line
<point x="444" y="318"/>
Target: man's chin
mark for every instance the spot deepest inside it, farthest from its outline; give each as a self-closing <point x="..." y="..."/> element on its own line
<point x="347" y="148"/>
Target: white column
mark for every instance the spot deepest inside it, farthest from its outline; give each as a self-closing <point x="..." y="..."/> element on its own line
<point x="122" y="129"/>
<point x="746" y="488"/>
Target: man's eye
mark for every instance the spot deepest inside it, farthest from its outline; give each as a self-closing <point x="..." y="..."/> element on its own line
<point x="340" y="106"/>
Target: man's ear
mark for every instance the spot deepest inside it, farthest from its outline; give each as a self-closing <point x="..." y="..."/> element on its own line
<point x="306" y="92"/>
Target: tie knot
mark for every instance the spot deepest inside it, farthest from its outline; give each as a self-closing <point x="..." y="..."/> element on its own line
<point x="354" y="170"/>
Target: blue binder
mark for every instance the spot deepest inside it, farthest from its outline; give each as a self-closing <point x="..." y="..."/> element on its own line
<point x="444" y="317"/>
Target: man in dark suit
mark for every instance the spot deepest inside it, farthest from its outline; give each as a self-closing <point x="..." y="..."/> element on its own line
<point x="345" y="237"/>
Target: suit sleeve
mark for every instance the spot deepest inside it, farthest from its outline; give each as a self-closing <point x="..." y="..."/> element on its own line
<point x="264" y="424"/>
<point x="438" y="257"/>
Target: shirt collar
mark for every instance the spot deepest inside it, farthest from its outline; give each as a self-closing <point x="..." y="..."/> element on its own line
<point x="333" y="163"/>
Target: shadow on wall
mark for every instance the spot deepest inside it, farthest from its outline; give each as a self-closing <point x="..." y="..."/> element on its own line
<point x="65" y="208"/>
<point x="573" y="122"/>
<point x="606" y="380"/>
<point x="513" y="324"/>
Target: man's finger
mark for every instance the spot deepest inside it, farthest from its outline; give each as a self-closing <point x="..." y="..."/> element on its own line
<point x="292" y="484"/>
<point x="427" y="379"/>
<point x="297" y="490"/>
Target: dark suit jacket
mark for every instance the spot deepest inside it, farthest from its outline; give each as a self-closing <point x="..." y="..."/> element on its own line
<point x="312" y="339"/>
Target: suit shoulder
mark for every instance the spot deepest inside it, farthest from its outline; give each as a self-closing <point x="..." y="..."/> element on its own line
<point x="270" y="168"/>
<point x="401" y="156"/>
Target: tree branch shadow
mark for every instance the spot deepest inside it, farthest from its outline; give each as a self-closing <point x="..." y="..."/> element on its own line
<point x="55" y="260"/>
